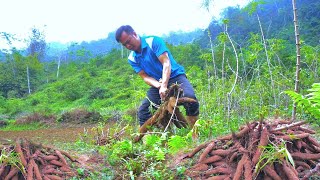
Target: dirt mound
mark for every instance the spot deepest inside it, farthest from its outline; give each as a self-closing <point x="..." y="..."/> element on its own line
<point x="260" y="150"/>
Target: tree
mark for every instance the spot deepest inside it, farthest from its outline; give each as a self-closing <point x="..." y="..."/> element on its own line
<point x="297" y="35"/>
<point x="36" y="50"/>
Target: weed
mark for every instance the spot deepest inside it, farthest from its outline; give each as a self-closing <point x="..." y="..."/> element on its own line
<point x="9" y="157"/>
<point x="273" y="153"/>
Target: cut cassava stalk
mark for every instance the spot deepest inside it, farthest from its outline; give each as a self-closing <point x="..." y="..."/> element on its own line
<point x="286" y="127"/>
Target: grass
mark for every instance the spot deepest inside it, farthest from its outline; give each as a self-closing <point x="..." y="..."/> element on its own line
<point x="12" y="126"/>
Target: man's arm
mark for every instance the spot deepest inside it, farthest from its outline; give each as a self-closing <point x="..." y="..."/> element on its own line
<point x="149" y="80"/>
<point x="166" y="72"/>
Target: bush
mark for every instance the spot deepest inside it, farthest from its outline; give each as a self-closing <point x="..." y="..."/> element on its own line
<point x="36" y="117"/>
<point x="80" y="116"/>
<point x="3" y="123"/>
<point x="97" y="93"/>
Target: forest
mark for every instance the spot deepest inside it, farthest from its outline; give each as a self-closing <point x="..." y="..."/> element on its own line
<point x="243" y="67"/>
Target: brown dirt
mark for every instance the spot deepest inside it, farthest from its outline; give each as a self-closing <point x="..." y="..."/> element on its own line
<point x="52" y="135"/>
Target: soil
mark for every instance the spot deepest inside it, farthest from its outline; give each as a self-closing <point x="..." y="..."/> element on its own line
<point x="54" y="134"/>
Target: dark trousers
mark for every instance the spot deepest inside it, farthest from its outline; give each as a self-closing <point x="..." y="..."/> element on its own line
<point x="192" y="109"/>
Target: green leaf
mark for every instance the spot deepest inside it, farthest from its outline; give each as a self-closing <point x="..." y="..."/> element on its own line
<point x="289" y="157"/>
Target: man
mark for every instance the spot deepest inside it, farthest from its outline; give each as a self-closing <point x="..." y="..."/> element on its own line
<point x="153" y="62"/>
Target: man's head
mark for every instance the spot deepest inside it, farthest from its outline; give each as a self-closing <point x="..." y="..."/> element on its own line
<point x="128" y="38"/>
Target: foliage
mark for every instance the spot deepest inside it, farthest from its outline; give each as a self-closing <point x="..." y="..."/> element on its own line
<point x="120" y="150"/>
<point x="309" y="103"/>
<point x="9" y="157"/>
<point x="273" y="153"/>
<point x="37" y="118"/>
<point x="96" y="84"/>
<point x="13" y="126"/>
<point x="80" y="116"/>
<point x="176" y="143"/>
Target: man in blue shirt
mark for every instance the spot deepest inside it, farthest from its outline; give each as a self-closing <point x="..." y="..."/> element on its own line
<point x="153" y="62"/>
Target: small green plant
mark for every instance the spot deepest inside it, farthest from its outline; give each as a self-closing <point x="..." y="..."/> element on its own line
<point x="12" y="126"/>
<point x="274" y="153"/>
<point x="309" y="103"/>
<point x="176" y="143"/>
<point x="9" y="157"/>
<point x="120" y="150"/>
<point x="154" y="147"/>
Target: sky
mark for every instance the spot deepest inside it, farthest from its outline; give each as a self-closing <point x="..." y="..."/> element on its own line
<point x="85" y="20"/>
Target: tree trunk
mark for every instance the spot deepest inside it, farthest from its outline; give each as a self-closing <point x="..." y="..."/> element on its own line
<point x="235" y="80"/>
<point x="58" y="68"/>
<point x="28" y="78"/>
<point x="269" y="63"/>
<point x="296" y="30"/>
<point x="212" y="53"/>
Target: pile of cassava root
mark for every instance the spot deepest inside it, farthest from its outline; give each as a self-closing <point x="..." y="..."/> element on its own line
<point x="27" y="160"/>
<point x="276" y="150"/>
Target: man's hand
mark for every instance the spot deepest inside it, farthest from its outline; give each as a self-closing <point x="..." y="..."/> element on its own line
<point x="162" y="92"/>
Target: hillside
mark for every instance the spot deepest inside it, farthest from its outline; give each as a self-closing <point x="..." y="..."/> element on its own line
<point x="79" y="108"/>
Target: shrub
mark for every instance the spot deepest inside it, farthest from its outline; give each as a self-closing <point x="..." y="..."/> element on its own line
<point x="3" y="123"/>
<point x="97" y="93"/>
<point x="37" y="117"/>
<point x="80" y="116"/>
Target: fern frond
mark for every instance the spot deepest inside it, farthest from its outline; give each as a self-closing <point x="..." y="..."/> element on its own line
<point x="310" y="103"/>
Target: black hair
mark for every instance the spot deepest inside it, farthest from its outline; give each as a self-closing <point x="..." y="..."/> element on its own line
<point x="125" y="28"/>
